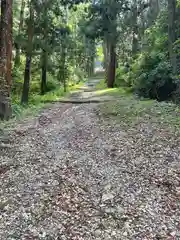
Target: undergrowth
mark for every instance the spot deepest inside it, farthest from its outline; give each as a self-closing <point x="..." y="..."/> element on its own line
<point x="101" y="85"/>
<point x="128" y="110"/>
<point x="101" y="89"/>
<point x="36" y="104"/>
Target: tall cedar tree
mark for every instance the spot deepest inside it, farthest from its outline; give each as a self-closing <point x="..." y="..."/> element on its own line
<point x="5" y="58"/>
<point x="17" y="44"/>
<point x="29" y="52"/>
<point x="172" y="33"/>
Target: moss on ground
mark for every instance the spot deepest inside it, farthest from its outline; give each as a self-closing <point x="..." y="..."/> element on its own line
<point x="101" y="85"/>
<point x="101" y="90"/>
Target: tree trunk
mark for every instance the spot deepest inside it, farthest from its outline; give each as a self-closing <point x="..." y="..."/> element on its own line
<point x="135" y="30"/>
<point x="44" y="73"/>
<point x="64" y="69"/>
<point x="172" y="33"/>
<point x="27" y="72"/>
<point x="64" y="51"/>
<point x="92" y="66"/>
<point x="17" y="45"/>
<point x="112" y="67"/>
<point x="44" y="59"/>
<point x="9" y="45"/>
<point x="5" y="43"/>
<point x="153" y="12"/>
<point x="91" y="56"/>
<point x="105" y="54"/>
<point x="106" y="50"/>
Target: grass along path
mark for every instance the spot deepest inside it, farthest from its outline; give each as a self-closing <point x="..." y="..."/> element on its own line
<point x="37" y="103"/>
<point x="128" y="110"/>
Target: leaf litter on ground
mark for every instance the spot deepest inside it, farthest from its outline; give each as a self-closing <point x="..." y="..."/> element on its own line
<point x="73" y="174"/>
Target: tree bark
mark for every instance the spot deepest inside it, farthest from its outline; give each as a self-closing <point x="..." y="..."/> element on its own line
<point x="5" y="76"/>
<point x="64" y="68"/>
<point x="135" y="30"/>
<point x="105" y="54"/>
<point x="44" y="73"/>
<point x="27" y="71"/>
<point x="172" y="33"/>
<point x="64" y="52"/>
<point x="106" y="50"/>
<point x="112" y="67"/>
<point x="17" y="45"/>
<point x="9" y="44"/>
<point x="44" y="50"/>
<point x="153" y="12"/>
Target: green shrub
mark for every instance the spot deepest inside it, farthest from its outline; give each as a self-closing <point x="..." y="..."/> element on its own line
<point x="52" y="83"/>
<point x="150" y="74"/>
<point x="34" y="87"/>
<point x="152" y="77"/>
<point x="121" y="77"/>
<point x="78" y="75"/>
<point x="16" y="109"/>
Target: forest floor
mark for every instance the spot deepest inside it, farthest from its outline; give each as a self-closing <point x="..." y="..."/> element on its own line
<point x="106" y="166"/>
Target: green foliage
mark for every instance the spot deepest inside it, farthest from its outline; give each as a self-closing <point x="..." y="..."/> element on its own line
<point x="59" y="46"/>
<point x="152" y="77"/>
<point x="122" y="77"/>
<point x="156" y="36"/>
<point x="52" y="83"/>
<point x="150" y="74"/>
<point x="65" y="42"/>
<point x="37" y="101"/>
<point x="101" y="85"/>
<point x="77" y="75"/>
<point x="49" y="97"/>
<point x="16" y="110"/>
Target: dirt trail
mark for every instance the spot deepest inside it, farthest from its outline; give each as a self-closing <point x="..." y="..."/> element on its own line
<point x="69" y="174"/>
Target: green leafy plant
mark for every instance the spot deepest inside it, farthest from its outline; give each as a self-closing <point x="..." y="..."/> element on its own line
<point x="153" y="77"/>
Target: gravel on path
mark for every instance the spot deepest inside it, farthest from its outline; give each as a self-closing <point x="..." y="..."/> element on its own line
<point x="69" y="174"/>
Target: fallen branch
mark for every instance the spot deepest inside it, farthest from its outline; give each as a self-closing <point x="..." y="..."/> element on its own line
<point x="78" y="101"/>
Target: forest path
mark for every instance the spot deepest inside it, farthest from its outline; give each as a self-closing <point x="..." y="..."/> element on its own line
<point x="88" y="94"/>
<point x="69" y="174"/>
